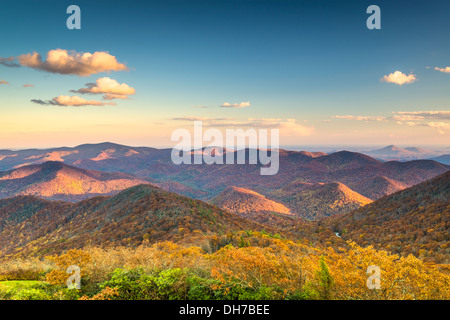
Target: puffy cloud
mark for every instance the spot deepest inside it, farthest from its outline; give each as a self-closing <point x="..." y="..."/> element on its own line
<point x="71" y="62"/>
<point x="110" y="87"/>
<point x="399" y="78"/>
<point x="9" y="62"/>
<point x="3" y="82"/>
<point x="444" y="70"/>
<point x="74" y="101"/>
<point x="236" y="105"/>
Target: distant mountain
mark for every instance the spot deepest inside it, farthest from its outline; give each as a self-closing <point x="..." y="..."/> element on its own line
<point x="393" y="152"/>
<point x="354" y="170"/>
<point x="247" y="202"/>
<point x="102" y="156"/>
<point x="415" y="220"/>
<point x="315" y="201"/>
<point x="445" y="159"/>
<point x="57" y="181"/>
<point x="419" y="150"/>
<point x="34" y="226"/>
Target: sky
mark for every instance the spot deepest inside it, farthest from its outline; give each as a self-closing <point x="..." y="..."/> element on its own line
<point x="138" y="70"/>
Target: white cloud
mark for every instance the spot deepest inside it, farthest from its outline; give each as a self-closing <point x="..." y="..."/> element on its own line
<point x="444" y="70"/>
<point x="399" y="78"/>
<point x="71" y="62"/>
<point x="110" y="87"/>
<point x="236" y="105"/>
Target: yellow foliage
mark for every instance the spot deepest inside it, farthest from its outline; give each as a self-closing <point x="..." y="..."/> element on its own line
<point x="76" y="257"/>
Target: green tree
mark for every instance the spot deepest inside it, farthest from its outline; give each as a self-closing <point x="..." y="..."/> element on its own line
<point x="325" y="280"/>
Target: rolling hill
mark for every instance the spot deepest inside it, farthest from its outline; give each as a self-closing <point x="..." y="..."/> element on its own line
<point x="247" y="202"/>
<point x="34" y="226"/>
<point x="411" y="221"/>
<point x="315" y="201"/>
<point x="57" y="181"/>
<point x="377" y="187"/>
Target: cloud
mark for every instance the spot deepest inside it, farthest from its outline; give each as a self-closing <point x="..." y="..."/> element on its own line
<point x="203" y="107"/>
<point x="438" y="120"/>
<point x="110" y="87"/>
<point x="3" y="82"/>
<point x="71" y="62"/>
<point x="199" y="119"/>
<point x="73" y="101"/>
<point x="399" y="78"/>
<point x="287" y="126"/>
<point x="442" y="127"/>
<point x="421" y="115"/>
<point x="28" y="85"/>
<point x="9" y="62"/>
<point x="236" y="105"/>
<point x="361" y="118"/>
<point x="444" y="70"/>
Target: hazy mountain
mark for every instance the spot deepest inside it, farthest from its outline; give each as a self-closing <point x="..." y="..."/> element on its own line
<point x="445" y="159"/>
<point x="393" y="152"/>
<point x="102" y="156"/>
<point x="58" y="181"/>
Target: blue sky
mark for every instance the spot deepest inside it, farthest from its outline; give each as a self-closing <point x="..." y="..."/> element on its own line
<point x="310" y="67"/>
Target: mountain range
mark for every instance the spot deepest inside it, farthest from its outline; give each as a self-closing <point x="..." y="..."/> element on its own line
<point x="414" y="221"/>
<point x="393" y="152"/>
<point x="310" y="185"/>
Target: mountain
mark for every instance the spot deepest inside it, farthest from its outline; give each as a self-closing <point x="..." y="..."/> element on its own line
<point x="315" y="201"/>
<point x="378" y="186"/>
<point x="357" y="171"/>
<point x="415" y="221"/>
<point x="445" y="159"/>
<point x="346" y="160"/>
<point x="247" y="202"/>
<point x="57" y="181"/>
<point x="34" y="226"/>
<point x="105" y="156"/>
<point x="419" y="150"/>
<point x="393" y="152"/>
